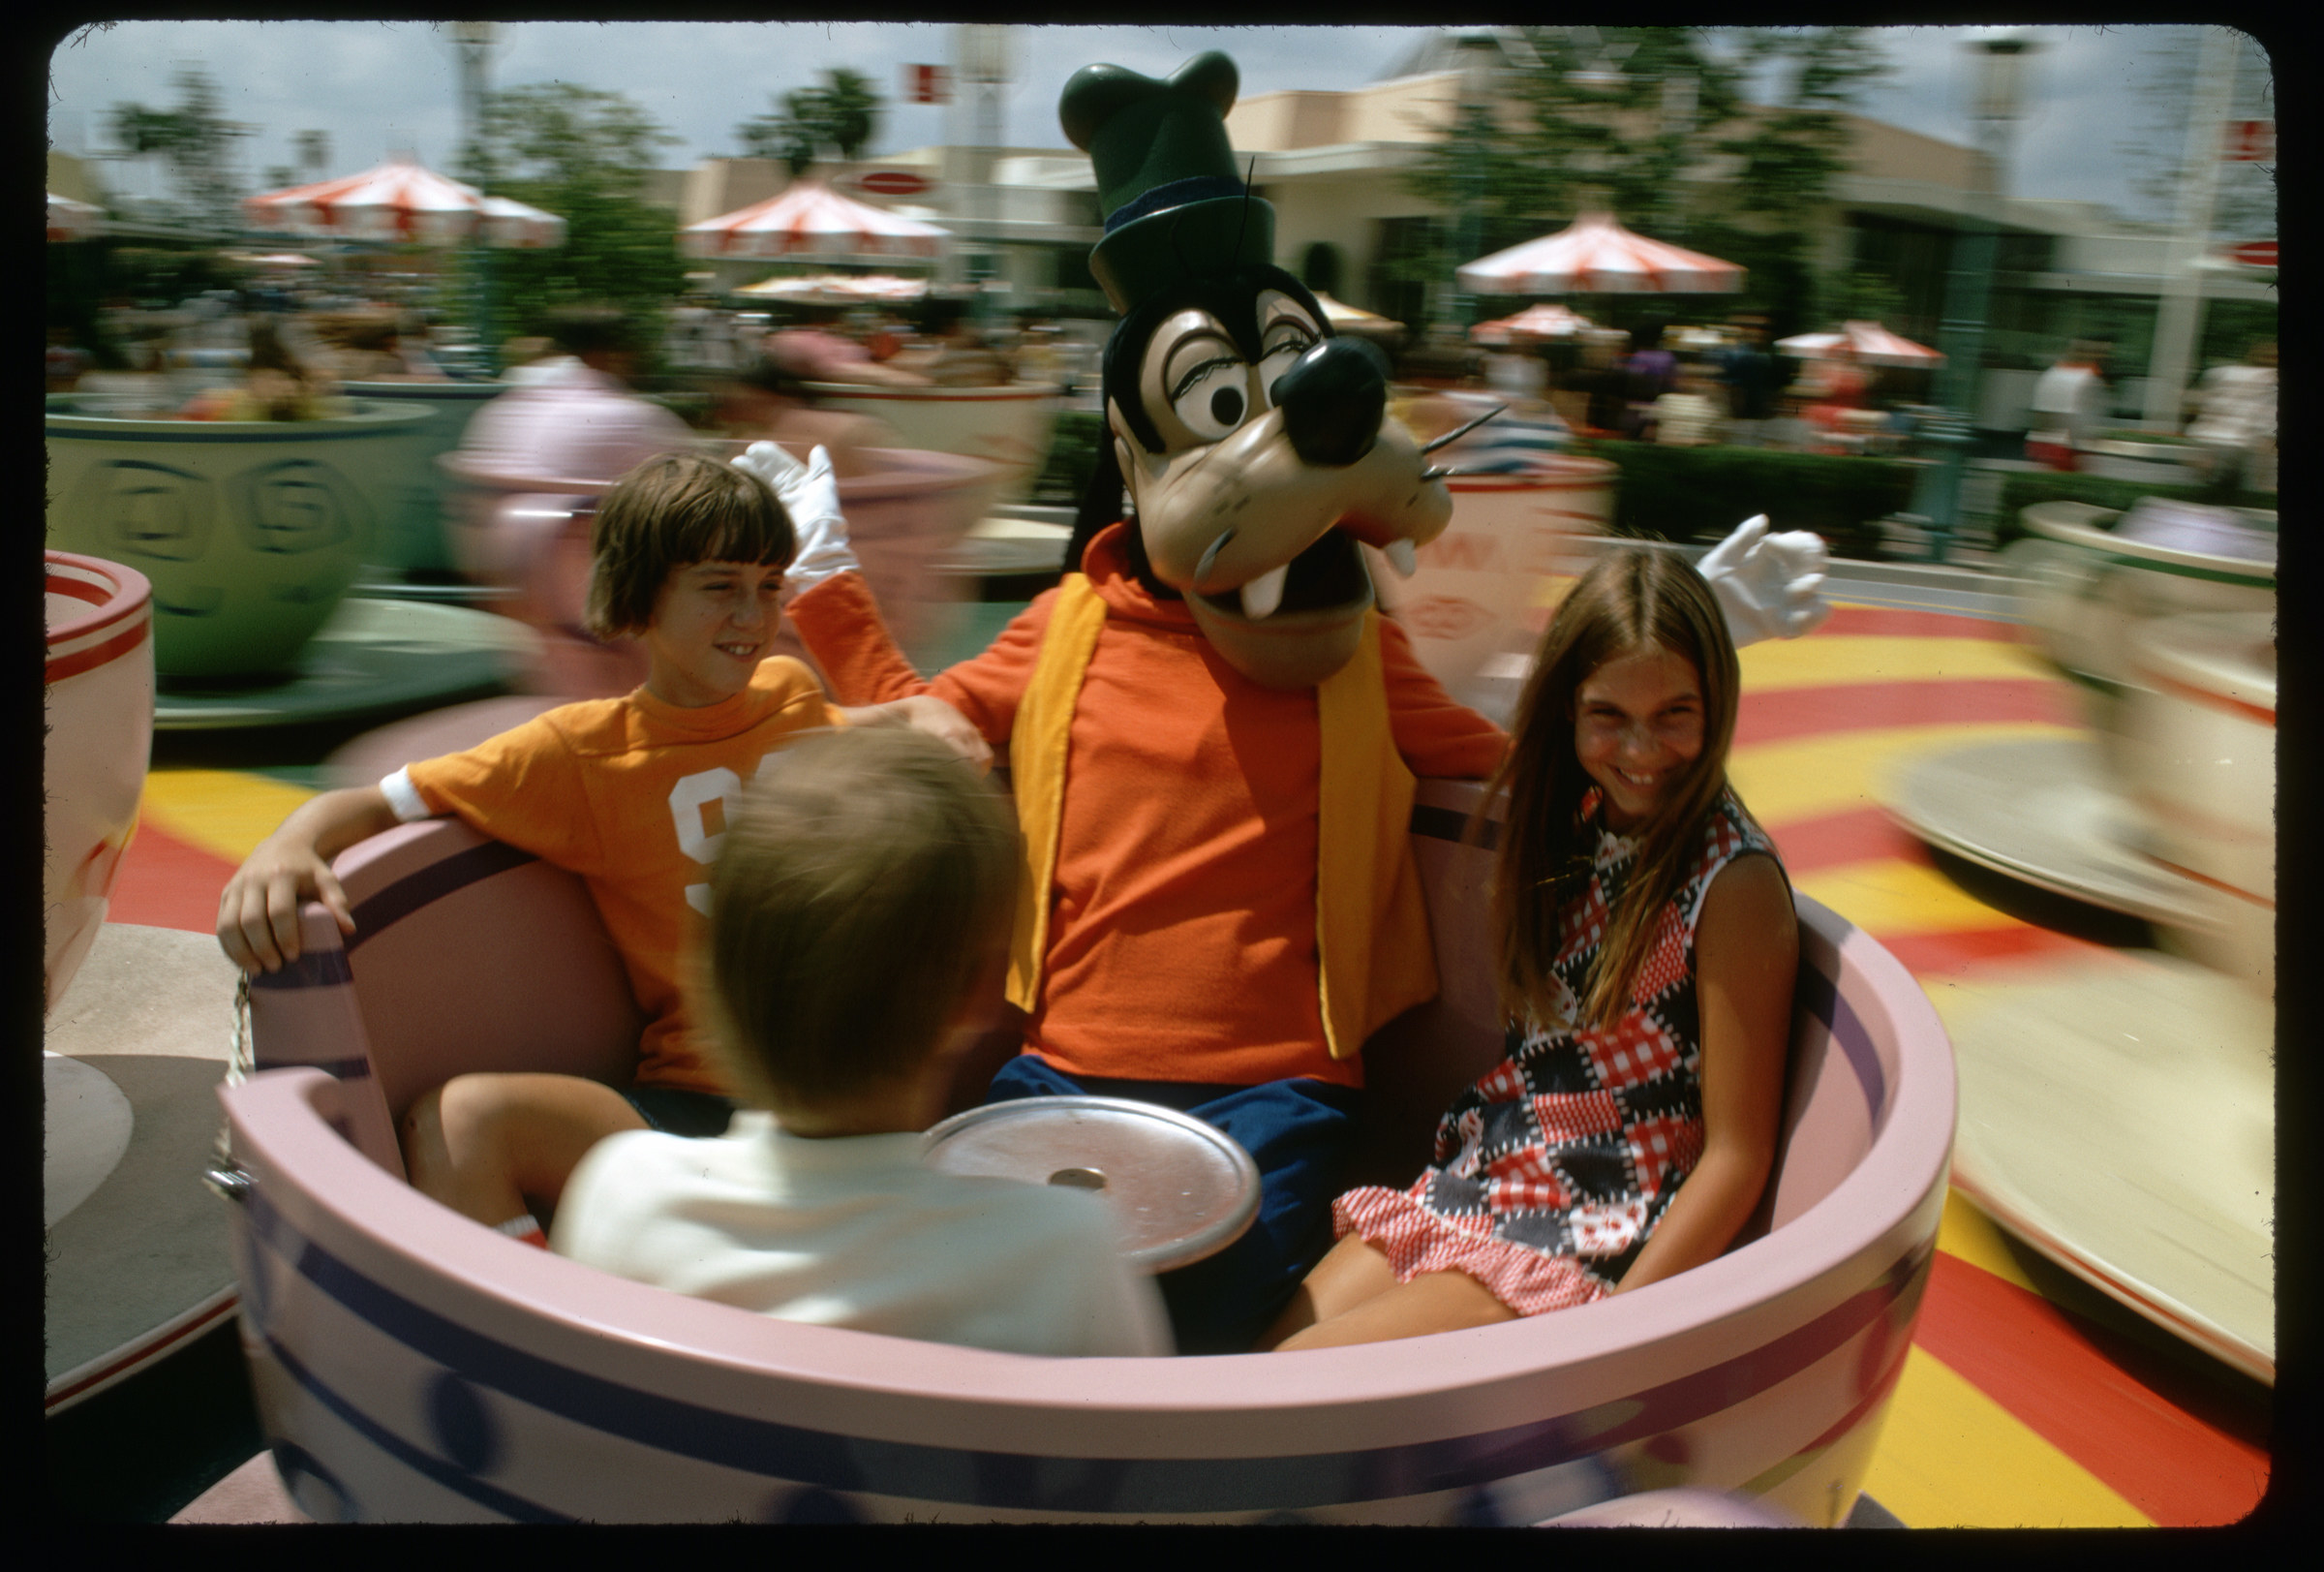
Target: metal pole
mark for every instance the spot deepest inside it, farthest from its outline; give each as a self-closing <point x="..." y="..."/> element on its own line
<point x="984" y="51"/>
<point x="1936" y="499"/>
<point x="475" y="41"/>
<point x="2177" y="322"/>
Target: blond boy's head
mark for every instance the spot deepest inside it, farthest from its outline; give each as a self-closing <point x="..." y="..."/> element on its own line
<point x="861" y="903"/>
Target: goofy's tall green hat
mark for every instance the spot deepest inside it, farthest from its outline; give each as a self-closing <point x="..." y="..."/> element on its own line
<point x="1252" y="443"/>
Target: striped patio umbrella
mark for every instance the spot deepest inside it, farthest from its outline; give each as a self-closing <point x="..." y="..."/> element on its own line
<point x="1866" y="341"/>
<point x="810" y="219"/>
<point x="402" y="200"/>
<point x="1534" y="322"/>
<point x="837" y="289"/>
<point x="1597" y="255"/>
<point x="70" y="220"/>
<point x="1348" y="319"/>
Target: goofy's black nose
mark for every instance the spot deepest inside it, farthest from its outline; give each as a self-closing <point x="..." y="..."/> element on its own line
<point x="1332" y="399"/>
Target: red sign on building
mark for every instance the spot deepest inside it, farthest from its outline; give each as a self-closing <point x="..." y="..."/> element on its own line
<point x="2249" y="142"/>
<point x="892" y="182"/>
<point x="926" y="84"/>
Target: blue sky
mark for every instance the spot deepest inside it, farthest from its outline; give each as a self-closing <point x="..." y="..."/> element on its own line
<point x="378" y="87"/>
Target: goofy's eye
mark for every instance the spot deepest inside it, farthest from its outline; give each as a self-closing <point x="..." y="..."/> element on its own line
<point x="1212" y="398"/>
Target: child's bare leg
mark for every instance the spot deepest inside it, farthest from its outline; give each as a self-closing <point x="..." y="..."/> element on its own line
<point x="1348" y="1274"/>
<point x="1432" y="1302"/>
<point x="487" y="1145"/>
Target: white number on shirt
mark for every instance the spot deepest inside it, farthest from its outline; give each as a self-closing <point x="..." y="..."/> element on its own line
<point x="689" y="801"/>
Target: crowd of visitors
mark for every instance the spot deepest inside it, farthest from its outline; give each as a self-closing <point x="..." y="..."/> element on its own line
<point x="760" y="372"/>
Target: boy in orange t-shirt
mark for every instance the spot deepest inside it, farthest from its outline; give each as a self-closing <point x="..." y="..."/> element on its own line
<point x="631" y="793"/>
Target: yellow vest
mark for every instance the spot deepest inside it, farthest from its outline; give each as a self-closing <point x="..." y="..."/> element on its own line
<point x="1371" y="925"/>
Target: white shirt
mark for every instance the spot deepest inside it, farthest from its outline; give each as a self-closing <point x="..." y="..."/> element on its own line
<point x="564" y="420"/>
<point x="852" y="1231"/>
<point x="2069" y="402"/>
<point x="2238" y="406"/>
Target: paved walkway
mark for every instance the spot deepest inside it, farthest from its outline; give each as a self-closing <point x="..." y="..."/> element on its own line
<point x="2028" y="1399"/>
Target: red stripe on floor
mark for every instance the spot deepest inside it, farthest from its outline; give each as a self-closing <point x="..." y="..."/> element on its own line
<point x="1888" y="622"/>
<point x="1834" y="840"/>
<point x="1934" y="955"/>
<point x="1781" y="714"/>
<point x="167" y="883"/>
<point x="2093" y="1395"/>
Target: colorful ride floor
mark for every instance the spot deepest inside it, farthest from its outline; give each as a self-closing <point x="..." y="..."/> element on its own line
<point x="2029" y="1398"/>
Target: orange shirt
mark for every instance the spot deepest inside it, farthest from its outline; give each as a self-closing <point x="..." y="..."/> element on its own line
<point x="632" y="795"/>
<point x="1182" y="934"/>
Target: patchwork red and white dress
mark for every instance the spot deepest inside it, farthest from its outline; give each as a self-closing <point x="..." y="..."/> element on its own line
<point x="1551" y="1172"/>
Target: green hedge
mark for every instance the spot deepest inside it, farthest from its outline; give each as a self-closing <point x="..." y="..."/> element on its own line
<point x="1072" y="456"/>
<point x="2023" y="490"/>
<point x="1702" y="493"/>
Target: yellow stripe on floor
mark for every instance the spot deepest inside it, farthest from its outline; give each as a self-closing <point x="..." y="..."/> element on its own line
<point x="1969" y="1235"/>
<point x="227" y="812"/>
<point x="1887" y="897"/>
<point x="1834" y="773"/>
<point x="1831" y="659"/>
<point x="1949" y="1457"/>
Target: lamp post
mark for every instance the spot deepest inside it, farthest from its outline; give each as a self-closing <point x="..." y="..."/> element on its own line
<point x="1969" y="286"/>
<point x="475" y="41"/>
<point x="985" y="50"/>
<point x="2181" y="314"/>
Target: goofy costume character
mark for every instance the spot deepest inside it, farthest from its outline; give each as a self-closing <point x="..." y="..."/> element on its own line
<point x="1213" y="735"/>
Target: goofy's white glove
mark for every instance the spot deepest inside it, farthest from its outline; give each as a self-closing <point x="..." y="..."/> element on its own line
<point x="1770" y="586"/>
<point x="810" y="495"/>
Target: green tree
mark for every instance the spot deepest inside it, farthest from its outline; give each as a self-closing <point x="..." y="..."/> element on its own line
<point x="851" y="110"/>
<point x="194" y="139"/>
<point x="842" y="115"/>
<point x="1791" y="151"/>
<point x="585" y="155"/>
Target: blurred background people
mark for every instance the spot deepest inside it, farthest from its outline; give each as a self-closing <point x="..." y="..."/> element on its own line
<point x="951" y="352"/>
<point x="814" y="350"/>
<point x="767" y="402"/>
<point x="369" y="346"/>
<point x="1831" y="391"/>
<point x="2236" y="421"/>
<point x="573" y="415"/>
<point x="1753" y="376"/>
<point x="2070" y="402"/>
<point x="275" y="384"/>
<point x="1651" y="371"/>
<point x="1688" y="416"/>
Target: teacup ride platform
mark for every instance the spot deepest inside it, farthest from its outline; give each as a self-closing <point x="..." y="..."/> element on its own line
<point x="2118" y="1108"/>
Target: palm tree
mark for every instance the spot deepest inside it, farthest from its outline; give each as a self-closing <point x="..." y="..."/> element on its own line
<point x="851" y="110"/>
<point x="843" y="114"/>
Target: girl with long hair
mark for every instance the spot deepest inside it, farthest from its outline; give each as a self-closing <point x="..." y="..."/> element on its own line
<point x="1647" y="952"/>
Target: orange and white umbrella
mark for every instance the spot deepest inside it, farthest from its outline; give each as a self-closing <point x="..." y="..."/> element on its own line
<point x="837" y="289"/>
<point x="402" y="200"/>
<point x="1347" y="319"/>
<point x="810" y="219"/>
<point x="1534" y="322"/>
<point x="1866" y="341"/>
<point x="1594" y="256"/>
<point x="70" y="220"/>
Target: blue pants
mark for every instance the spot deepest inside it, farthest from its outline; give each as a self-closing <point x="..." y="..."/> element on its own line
<point x="1299" y="1132"/>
